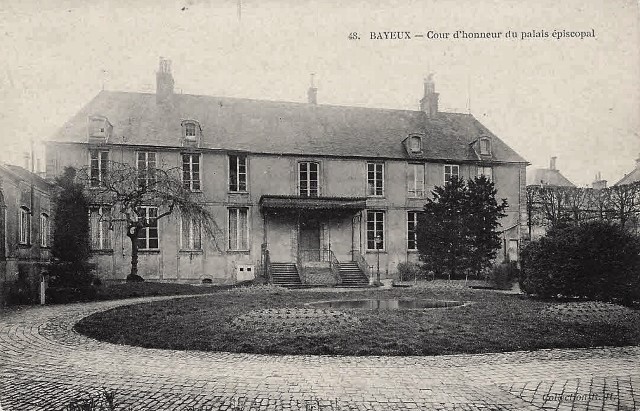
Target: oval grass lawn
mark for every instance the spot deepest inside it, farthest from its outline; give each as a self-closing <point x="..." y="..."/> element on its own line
<point x="281" y="323"/>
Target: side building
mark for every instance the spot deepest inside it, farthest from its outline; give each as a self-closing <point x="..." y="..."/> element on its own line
<point x="312" y="186"/>
<point x="25" y="233"/>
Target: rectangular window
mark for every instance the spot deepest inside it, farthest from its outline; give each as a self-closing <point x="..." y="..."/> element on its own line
<point x="24" y="226"/>
<point x="99" y="221"/>
<point x="485" y="171"/>
<point x="451" y="171"/>
<point x="99" y="162"/>
<point x="237" y="173"/>
<point x="238" y="229"/>
<point x="148" y="238"/>
<point x="190" y="131"/>
<point x="191" y="234"/>
<point x="375" y="230"/>
<point x="146" y="168"/>
<point x="191" y="171"/>
<point x="412" y="222"/>
<point x="308" y="179"/>
<point x="415" y="183"/>
<point x="485" y="146"/>
<point x="375" y="179"/>
<point x="44" y="230"/>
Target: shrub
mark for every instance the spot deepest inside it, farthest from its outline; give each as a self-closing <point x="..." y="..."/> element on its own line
<point x="503" y="275"/>
<point x="596" y="260"/>
<point x="65" y="295"/>
<point x="409" y="271"/>
<point x="134" y="278"/>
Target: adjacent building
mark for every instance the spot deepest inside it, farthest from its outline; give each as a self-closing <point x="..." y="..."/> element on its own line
<point x="25" y="233"/>
<point x="302" y="188"/>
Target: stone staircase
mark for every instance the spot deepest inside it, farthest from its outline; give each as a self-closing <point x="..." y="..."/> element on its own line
<point x="351" y="275"/>
<point x="285" y="275"/>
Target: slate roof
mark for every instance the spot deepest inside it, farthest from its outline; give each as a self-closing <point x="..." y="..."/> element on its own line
<point x="274" y="127"/>
<point x="21" y="174"/>
<point x="546" y="176"/>
<point x="632" y="177"/>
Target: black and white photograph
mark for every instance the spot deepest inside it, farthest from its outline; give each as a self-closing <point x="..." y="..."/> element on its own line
<point x="319" y="205"/>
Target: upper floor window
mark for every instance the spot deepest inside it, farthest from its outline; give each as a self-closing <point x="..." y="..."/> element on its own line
<point x="485" y="171"/>
<point x="99" y="161"/>
<point x="451" y="171"/>
<point x="412" y="223"/>
<point x="308" y="179"/>
<point x="375" y="230"/>
<point x="238" y="229"/>
<point x="415" y="180"/>
<point x="24" y="226"/>
<point x="415" y="144"/>
<point x="485" y="146"/>
<point x="148" y="237"/>
<point x="44" y="230"/>
<point x="237" y="173"/>
<point x="375" y="179"/>
<point x="99" y="222"/>
<point x="191" y="238"/>
<point x="191" y="171"/>
<point x="146" y="168"/>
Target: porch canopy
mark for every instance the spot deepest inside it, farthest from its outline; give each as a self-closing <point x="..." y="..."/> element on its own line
<point x="299" y="203"/>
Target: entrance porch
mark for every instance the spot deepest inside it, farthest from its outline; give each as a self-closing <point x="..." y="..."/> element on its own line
<point x="313" y="240"/>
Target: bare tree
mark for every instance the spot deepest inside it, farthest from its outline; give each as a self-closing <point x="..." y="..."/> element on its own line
<point x="127" y="189"/>
<point x="625" y="202"/>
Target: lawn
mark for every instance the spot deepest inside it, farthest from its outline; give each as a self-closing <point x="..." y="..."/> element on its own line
<point x="280" y="323"/>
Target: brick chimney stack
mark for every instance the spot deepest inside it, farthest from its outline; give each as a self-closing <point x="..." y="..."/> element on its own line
<point x="164" y="82"/>
<point x="429" y="102"/>
<point x="312" y="93"/>
<point x="552" y="163"/>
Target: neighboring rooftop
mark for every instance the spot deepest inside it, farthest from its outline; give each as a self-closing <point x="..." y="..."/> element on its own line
<point x="632" y="177"/>
<point x="548" y="176"/>
<point x="284" y="127"/>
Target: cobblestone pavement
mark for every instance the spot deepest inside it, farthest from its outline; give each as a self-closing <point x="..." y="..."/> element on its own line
<point x="44" y="364"/>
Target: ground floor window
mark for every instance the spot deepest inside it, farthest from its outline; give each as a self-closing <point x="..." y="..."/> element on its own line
<point x="99" y="228"/>
<point x="412" y="222"/>
<point x="512" y="250"/>
<point x="24" y="228"/>
<point x="148" y="237"/>
<point x="238" y="229"/>
<point x="191" y="234"/>
<point x="375" y="230"/>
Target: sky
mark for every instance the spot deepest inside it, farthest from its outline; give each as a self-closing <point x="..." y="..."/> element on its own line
<point x="577" y="99"/>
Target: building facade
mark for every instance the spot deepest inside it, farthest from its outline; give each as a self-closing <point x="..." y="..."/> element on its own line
<point x="309" y="184"/>
<point x="25" y="233"/>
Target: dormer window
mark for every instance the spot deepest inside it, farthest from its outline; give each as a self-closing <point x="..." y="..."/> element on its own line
<point x="99" y="129"/>
<point x="485" y="146"/>
<point x="191" y="133"/>
<point x="415" y="144"/>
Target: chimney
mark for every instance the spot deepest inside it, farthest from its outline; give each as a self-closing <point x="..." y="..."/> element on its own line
<point x="429" y="102"/>
<point x="599" y="183"/>
<point x="26" y="160"/>
<point x="312" y="93"/>
<point x="164" y="82"/>
<point x="552" y="163"/>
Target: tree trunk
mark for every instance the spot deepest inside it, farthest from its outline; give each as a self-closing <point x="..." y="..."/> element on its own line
<point x="134" y="248"/>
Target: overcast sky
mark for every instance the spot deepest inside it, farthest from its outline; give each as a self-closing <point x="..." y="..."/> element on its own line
<point x="576" y="99"/>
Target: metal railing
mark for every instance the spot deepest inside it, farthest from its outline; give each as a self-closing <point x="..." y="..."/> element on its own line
<point x="335" y="266"/>
<point x="315" y="255"/>
<point x="362" y="263"/>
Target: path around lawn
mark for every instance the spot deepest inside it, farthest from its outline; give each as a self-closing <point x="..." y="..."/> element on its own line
<point x="44" y="363"/>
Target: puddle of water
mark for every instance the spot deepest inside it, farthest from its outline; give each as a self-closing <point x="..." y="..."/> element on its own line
<point x="387" y="304"/>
